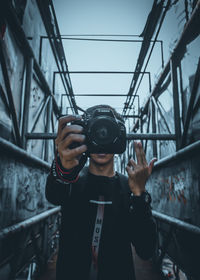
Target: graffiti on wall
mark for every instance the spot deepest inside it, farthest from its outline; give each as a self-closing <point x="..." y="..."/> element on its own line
<point x="175" y="186"/>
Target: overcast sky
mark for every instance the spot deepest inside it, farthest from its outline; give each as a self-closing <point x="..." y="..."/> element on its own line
<point x="102" y="17"/>
<point x="110" y="17"/>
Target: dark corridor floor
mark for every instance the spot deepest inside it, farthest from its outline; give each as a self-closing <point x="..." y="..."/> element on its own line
<point x="143" y="270"/>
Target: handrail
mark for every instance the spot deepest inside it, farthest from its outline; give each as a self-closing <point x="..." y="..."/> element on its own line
<point x="178" y="155"/>
<point x="176" y="222"/>
<point x="22" y="154"/>
<point x="28" y="222"/>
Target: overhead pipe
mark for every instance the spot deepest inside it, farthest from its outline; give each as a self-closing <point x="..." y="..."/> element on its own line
<point x="130" y="136"/>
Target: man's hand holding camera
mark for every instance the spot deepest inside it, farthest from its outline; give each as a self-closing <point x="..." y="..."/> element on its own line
<point x="139" y="172"/>
<point x="68" y="134"/>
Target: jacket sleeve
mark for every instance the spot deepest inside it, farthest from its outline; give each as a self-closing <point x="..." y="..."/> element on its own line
<point x="143" y="230"/>
<point x="59" y="181"/>
<point x="56" y="191"/>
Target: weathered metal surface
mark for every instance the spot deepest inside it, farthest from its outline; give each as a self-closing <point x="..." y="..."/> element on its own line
<point x="181" y="242"/>
<point x="175" y="185"/>
<point x="28" y="244"/>
<point x="175" y="189"/>
<point x="22" y="186"/>
<point x="28" y="230"/>
<point x="8" y="231"/>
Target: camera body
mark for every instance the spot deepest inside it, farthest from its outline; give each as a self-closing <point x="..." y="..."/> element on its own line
<point x="105" y="133"/>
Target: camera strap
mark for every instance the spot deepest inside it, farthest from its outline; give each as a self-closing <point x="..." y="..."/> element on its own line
<point x="97" y="235"/>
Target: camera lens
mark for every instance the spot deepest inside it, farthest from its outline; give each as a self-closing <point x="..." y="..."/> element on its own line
<point x="103" y="131"/>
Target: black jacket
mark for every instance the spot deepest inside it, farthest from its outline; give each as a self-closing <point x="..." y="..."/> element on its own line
<point x="136" y="227"/>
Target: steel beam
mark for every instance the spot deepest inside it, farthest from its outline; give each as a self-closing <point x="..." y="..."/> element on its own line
<point x="38" y="114"/>
<point x="148" y="126"/>
<point x="100" y="35"/>
<point x="10" y="96"/>
<point x="153" y="115"/>
<point x="29" y="74"/>
<point x="100" y="72"/>
<point x="146" y="44"/>
<point x="177" y="122"/>
<point x="150" y="136"/>
<point x="191" y="31"/>
<point x="157" y="104"/>
<point x="5" y="100"/>
<point x="106" y="40"/>
<point x="191" y="104"/>
<point x="130" y="116"/>
<point x="24" y="45"/>
<point x="47" y="128"/>
<point x="100" y="94"/>
<point x="55" y="40"/>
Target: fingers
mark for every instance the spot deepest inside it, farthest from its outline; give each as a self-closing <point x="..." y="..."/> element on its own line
<point x="128" y="169"/>
<point x="137" y="152"/>
<point x="132" y="163"/>
<point x="141" y="158"/>
<point x="63" y="129"/>
<point x="69" y="155"/>
<point x="151" y="165"/>
<point x="76" y="152"/>
<point x="63" y="121"/>
<point x="71" y="138"/>
<point x="70" y="129"/>
<point x="70" y="158"/>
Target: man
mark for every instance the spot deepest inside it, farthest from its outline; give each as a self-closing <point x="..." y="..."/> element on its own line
<point x="103" y="212"/>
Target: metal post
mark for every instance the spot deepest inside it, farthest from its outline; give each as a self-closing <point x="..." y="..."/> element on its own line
<point x="177" y="123"/>
<point x="158" y="104"/>
<point x="183" y="95"/>
<point x="29" y="73"/>
<point x="40" y="50"/>
<point x="141" y="128"/>
<point x="153" y="112"/>
<point x="42" y="108"/>
<point x="162" y="53"/>
<point x="148" y="125"/>
<point x="47" y="129"/>
<point x="191" y="103"/>
<point x="5" y="100"/>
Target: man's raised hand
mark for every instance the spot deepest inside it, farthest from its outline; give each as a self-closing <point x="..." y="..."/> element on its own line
<point x="139" y="172"/>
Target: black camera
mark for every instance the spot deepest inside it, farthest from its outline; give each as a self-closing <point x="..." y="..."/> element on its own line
<point x="105" y="132"/>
